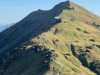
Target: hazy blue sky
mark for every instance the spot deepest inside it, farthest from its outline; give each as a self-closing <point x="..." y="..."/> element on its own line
<point x="12" y="11"/>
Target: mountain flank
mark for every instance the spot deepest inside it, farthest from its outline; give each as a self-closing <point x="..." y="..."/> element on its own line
<point x="60" y="41"/>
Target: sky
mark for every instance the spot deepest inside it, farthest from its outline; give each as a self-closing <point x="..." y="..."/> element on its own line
<point x="12" y="11"/>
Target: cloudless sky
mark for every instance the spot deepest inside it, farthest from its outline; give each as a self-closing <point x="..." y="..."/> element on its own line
<point x="12" y="11"/>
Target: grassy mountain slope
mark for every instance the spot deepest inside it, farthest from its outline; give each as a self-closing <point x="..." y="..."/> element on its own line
<point x="70" y="46"/>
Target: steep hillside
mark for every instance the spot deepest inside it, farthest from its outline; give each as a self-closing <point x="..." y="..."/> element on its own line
<point x="60" y="41"/>
<point x="34" y="24"/>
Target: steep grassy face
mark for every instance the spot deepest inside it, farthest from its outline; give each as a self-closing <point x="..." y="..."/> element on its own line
<point x="70" y="46"/>
<point x="77" y="34"/>
<point x="74" y="40"/>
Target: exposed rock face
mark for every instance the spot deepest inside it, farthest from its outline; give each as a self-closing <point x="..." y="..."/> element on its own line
<point x="86" y="57"/>
<point x="57" y="31"/>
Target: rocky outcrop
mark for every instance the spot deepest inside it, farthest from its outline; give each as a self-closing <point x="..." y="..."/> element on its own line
<point x="86" y="57"/>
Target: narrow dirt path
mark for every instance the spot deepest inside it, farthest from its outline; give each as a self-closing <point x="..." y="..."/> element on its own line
<point x="59" y="64"/>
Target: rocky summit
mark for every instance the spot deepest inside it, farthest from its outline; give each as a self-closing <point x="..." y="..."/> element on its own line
<point x="62" y="41"/>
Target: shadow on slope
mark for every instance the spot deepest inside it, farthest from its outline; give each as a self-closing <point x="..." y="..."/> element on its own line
<point x="32" y="61"/>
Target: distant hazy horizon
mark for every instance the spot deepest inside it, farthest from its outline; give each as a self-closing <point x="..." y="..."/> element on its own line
<point x="12" y="11"/>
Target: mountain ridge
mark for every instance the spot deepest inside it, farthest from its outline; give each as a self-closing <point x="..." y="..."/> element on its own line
<point x="68" y="34"/>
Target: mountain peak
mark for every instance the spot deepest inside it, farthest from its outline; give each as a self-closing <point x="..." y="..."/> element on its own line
<point x="64" y="5"/>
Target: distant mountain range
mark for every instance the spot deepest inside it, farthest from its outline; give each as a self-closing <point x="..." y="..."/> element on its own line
<point x="3" y="27"/>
